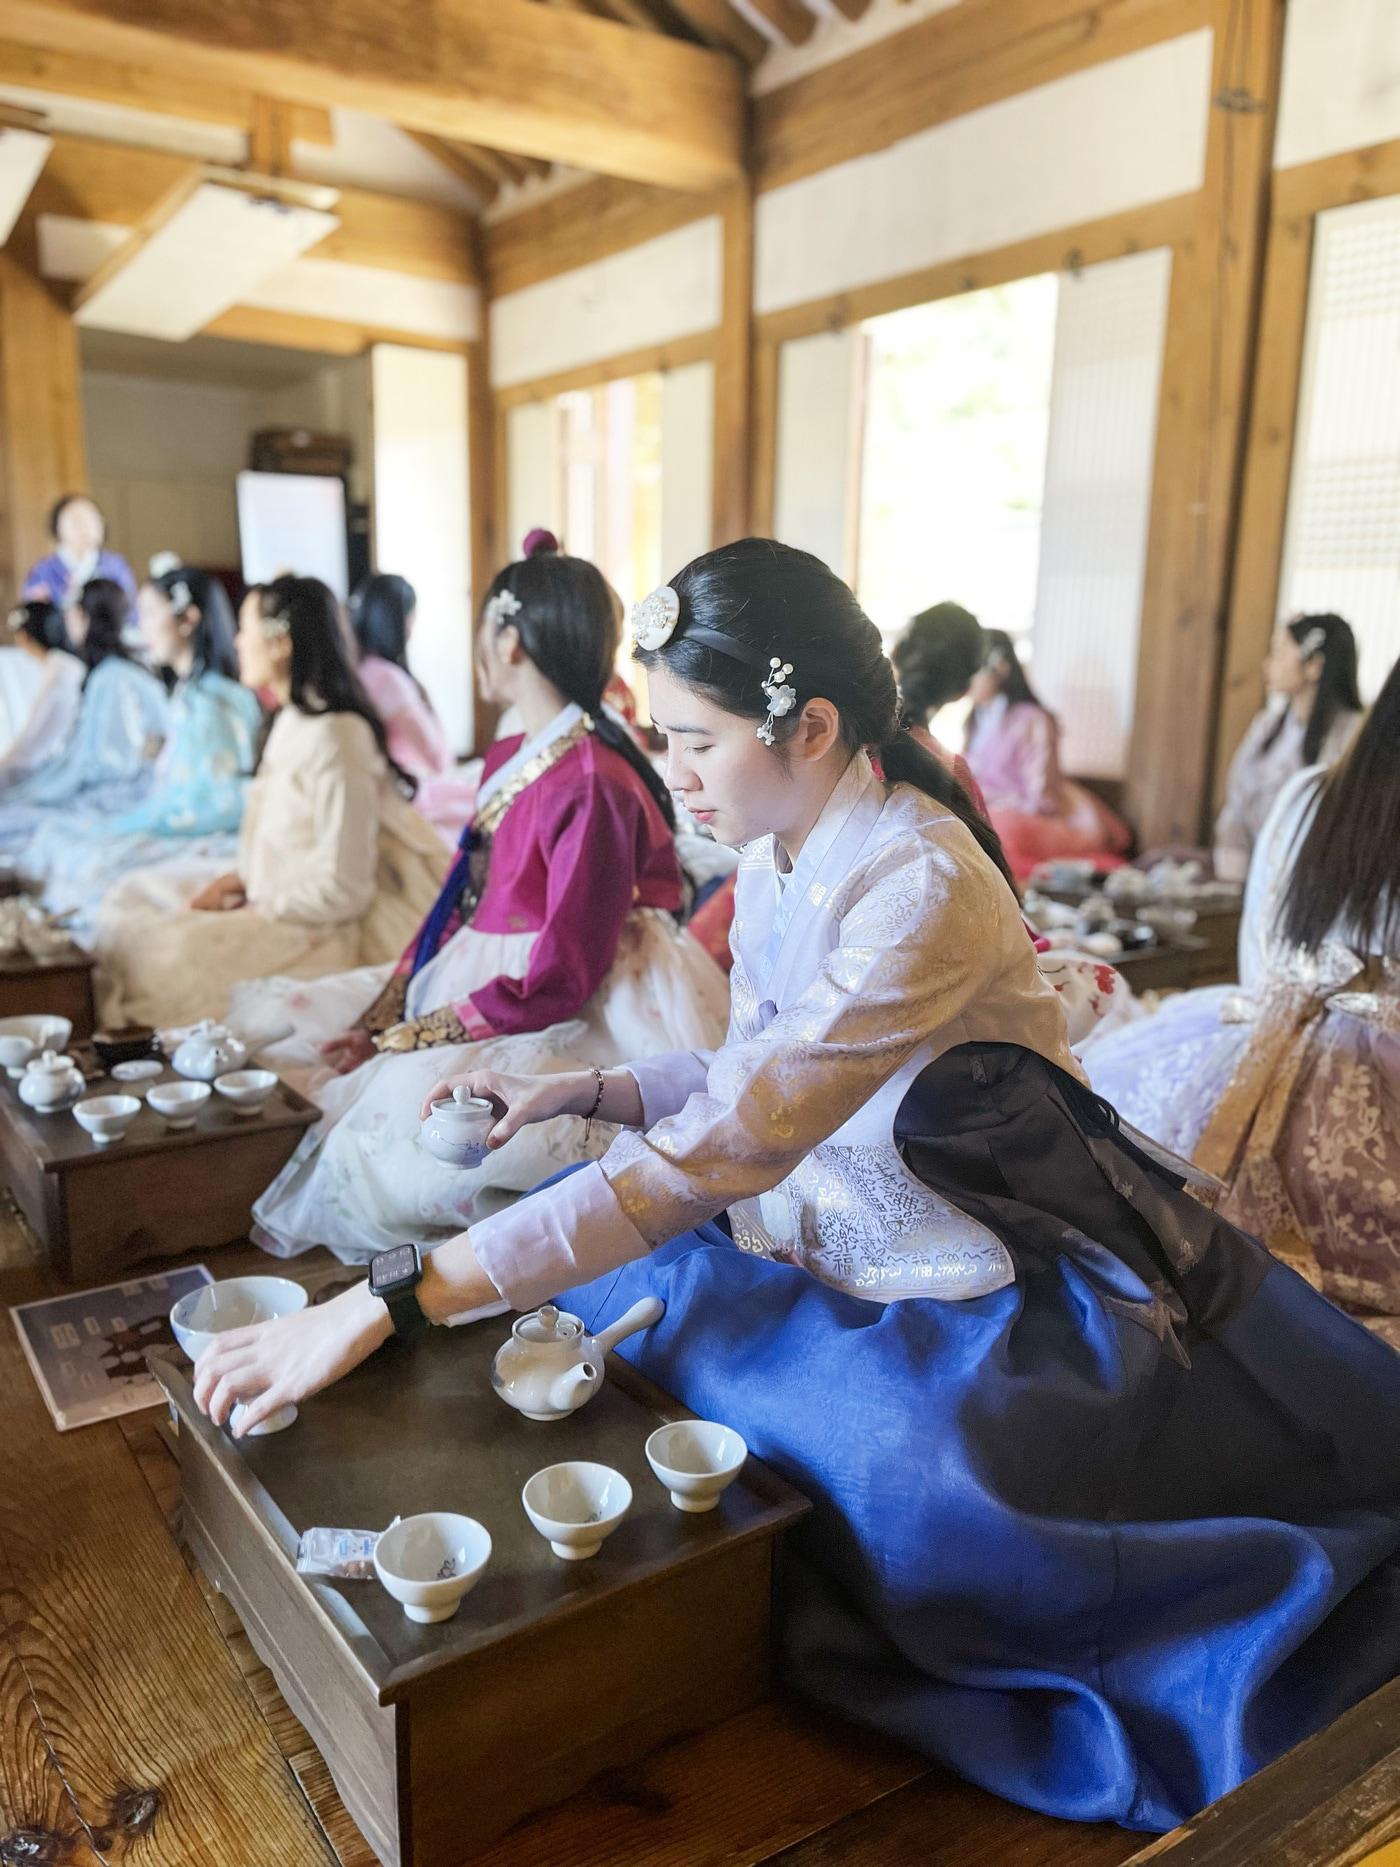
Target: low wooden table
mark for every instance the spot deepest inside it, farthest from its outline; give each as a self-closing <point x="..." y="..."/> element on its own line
<point x="153" y="1194"/>
<point x="61" y="985"/>
<point x="440" y="1737"/>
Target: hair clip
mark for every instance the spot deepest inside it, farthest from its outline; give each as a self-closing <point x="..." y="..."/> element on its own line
<point x="181" y="596"/>
<point x="654" y="620"/>
<point x="500" y="608"/>
<point x="16" y="620"/>
<point x="781" y="698"/>
<point x="276" y="628"/>
<point x="1312" y="643"/>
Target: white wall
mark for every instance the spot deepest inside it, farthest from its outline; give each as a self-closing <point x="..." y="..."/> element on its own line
<point x="1117" y="136"/>
<point x="421" y="514"/>
<point x="652" y="293"/>
<point x="817" y="443"/>
<point x="1341" y="78"/>
<point x="687" y="454"/>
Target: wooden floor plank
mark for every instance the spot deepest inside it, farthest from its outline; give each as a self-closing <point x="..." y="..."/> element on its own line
<point x="941" y="1821"/>
<point x="114" y="1668"/>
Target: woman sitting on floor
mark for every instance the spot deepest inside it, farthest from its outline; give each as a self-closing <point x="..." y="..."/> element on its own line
<point x="195" y="804"/>
<point x="109" y="759"/>
<point x="38" y="634"/>
<point x="1013" y="747"/>
<point x="1288" y="1085"/>
<point x="1106" y="1499"/>
<point x="335" y="867"/>
<point x="1311" y="717"/>
<point x="553" y="942"/>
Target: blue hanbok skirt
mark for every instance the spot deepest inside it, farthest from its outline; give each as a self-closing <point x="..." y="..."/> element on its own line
<point x="1105" y="1541"/>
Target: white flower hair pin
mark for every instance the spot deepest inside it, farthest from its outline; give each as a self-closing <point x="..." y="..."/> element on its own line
<point x="654" y="619"/>
<point x="781" y="697"/>
<point x="501" y="607"/>
<point x="181" y="596"/>
<point x="276" y="628"/>
<point x="1312" y="642"/>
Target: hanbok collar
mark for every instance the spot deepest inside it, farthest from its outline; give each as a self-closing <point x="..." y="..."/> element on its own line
<point x="794" y="899"/>
<point x="528" y="749"/>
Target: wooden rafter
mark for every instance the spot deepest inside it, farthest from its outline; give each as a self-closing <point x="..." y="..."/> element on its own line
<point x="463" y="163"/>
<point x="507" y="74"/>
<point x="719" y="24"/>
<point x="138" y="88"/>
<point x="788" y="18"/>
<point x="851" y="9"/>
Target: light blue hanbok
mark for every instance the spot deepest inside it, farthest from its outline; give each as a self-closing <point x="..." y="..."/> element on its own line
<point x="193" y="808"/>
<point x="108" y="763"/>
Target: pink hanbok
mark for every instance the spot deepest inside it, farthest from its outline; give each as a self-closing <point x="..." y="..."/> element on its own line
<point x="418" y="745"/>
<point x="1014" y="752"/>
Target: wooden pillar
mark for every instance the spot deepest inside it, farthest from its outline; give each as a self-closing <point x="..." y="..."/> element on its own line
<point x="1212" y="321"/>
<point x="42" y="453"/>
<point x="731" y="517"/>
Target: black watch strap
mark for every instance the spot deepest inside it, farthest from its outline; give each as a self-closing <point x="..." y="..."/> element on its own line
<point x="406" y="1314"/>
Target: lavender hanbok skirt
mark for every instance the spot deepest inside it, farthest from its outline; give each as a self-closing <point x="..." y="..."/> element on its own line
<point x="1105" y="1541"/>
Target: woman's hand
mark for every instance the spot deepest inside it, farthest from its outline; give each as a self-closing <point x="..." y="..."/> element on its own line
<point x="274" y="1364"/>
<point x="224" y="893"/>
<point x="519" y="1100"/>
<point x="348" y="1051"/>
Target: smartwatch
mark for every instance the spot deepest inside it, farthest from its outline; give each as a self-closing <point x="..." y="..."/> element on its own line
<point x="394" y="1276"/>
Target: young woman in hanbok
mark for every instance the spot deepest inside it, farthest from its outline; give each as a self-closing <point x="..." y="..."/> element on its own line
<point x="554" y="943"/>
<point x="1310" y="718"/>
<point x="1106" y="1498"/>
<point x="1013" y="747"/>
<point x="1288" y="1085"/>
<point x="47" y="720"/>
<point x="109" y="758"/>
<point x="195" y="804"/>
<point x="335" y="867"/>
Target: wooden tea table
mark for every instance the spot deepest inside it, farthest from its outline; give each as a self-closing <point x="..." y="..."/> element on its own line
<point x="440" y="1737"/>
<point x="60" y="985"/>
<point x="153" y="1194"/>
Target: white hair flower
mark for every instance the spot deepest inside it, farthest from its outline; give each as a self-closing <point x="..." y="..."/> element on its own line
<point x="654" y="619"/>
<point x="501" y="607"/>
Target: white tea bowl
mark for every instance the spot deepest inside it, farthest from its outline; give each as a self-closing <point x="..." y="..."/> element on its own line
<point x="177" y="1104"/>
<point x="23" y="1038"/>
<point x="234" y="1303"/>
<point x="428" y="1562"/>
<point x="696" y="1460"/>
<point x="107" y="1118"/>
<point x="246" y="1090"/>
<point x="575" y="1505"/>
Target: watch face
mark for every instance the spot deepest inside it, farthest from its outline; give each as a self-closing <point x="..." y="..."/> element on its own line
<point x="398" y="1266"/>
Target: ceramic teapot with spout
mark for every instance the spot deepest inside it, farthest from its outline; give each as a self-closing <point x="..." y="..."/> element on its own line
<point x="551" y="1365"/>
<point x="208" y="1051"/>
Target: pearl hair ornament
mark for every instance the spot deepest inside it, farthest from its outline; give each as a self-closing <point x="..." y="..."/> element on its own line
<point x="782" y="698"/>
<point x="500" y="608"/>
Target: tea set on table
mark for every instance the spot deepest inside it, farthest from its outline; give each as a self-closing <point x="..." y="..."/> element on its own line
<point x="210" y="1059"/>
<point x="547" y="1368"/>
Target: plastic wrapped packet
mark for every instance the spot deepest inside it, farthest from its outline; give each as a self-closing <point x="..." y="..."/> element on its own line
<point x="348" y="1554"/>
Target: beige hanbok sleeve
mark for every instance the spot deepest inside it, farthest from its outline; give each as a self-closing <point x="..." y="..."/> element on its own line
<point x="316" y="854"/>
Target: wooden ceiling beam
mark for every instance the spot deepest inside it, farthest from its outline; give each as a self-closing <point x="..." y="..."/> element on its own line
<point x="719" y="24"/>
<point x="462" y="162"/>
<point x="100" y="81"/>
<point x="86" y="179"/>
<point x="508" y="74"/>
<point x="788" y="18"/>
<point x="851" y="9"/>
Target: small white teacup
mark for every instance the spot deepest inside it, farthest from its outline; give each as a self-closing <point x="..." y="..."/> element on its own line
<point x="107" y="1118"/>
<point x="178" y="1104"/>
<point x="246" y="1091"/>
<point x="696" y="1460"/>
<point x="574" y="1506"/>
<point x="430" y="1561"/>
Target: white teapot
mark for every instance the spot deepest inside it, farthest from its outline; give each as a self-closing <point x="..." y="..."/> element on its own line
<point x="50" y="1083"/>
<point x="209" y="1050"/>
<point x="551" y="1365"/>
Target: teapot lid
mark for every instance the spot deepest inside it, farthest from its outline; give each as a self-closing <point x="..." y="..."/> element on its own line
<point x="51" y="1060"/>
<point x="547" y="1325"/>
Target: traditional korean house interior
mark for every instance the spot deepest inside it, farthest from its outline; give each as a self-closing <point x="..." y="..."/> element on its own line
<point x="700" y="933"/>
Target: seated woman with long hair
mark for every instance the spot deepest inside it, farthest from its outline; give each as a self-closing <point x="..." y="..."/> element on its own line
<point x="334" y="865"/>
<point x="1288" y="1085"/>
<point x="1105" y="1499"/>
<point x="1310" y="718"/>
<point x="109" y="759"/>
<point x="553" y="943"/>
<point x="50" y="712"/>
<point x="195" y="804"/>
<point x="1013" y="747"/>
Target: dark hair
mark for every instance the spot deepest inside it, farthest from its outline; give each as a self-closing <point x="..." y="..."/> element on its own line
<point x="105" y="605"/>
<point x="61" y="505"/>
<point x="568" y="626"/>
<point x="186" y="588"/>
<point x="936" y="658"/>
<point x="770" y="599"/>
<point x="1337" y="690"/>
<point x="1018" y="690"/>
<point x="41" y="622"/>
<point x="379" y="613"/>
<point x="1348" y="865"/>
<point x="322" y="679"/>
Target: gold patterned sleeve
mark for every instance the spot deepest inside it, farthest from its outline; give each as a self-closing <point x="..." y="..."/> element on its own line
<point x="426" y="1033"/>
<point x="387" y="1009"/>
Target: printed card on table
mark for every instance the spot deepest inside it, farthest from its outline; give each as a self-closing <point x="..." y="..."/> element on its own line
<point x="87" y="1351"/>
